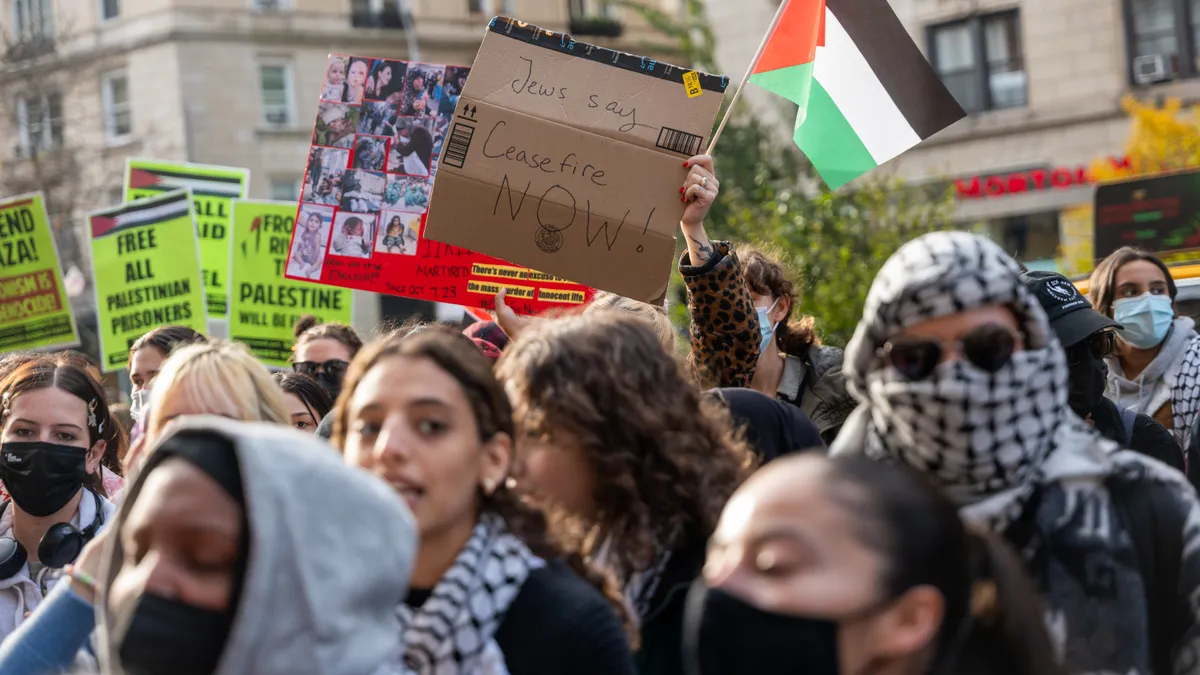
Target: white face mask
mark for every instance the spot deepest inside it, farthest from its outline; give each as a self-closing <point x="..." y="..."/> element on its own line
<point x="138" y="402"/>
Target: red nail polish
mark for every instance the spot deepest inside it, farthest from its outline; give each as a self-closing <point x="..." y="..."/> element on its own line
<point x="685" y="165"/>
<point x="680" y="190"/>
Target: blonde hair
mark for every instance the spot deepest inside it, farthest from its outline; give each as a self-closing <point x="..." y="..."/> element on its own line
<point x="655" y="315"/>
<point x="217" y="376"/>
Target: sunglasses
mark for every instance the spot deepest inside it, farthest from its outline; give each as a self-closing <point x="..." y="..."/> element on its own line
<point x="989" y="347"/>
<point x="1099" y="346"/>
<point x="334" y="368"/>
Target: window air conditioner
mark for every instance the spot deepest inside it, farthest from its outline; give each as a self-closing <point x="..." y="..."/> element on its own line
<point x="1151" y="68"/>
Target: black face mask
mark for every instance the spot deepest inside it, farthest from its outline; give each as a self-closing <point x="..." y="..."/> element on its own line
<point x="1085" y="390"/>
<point x="168" y="637"/>
<point x="725" y="636"/>
<point x="331" y="385"/>
<point x="42" y="477"/>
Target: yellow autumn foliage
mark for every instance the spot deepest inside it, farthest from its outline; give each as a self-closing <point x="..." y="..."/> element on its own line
<point x="1160" y="139"/>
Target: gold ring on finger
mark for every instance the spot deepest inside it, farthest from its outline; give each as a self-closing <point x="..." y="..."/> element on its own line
<point x="704" y="182"/>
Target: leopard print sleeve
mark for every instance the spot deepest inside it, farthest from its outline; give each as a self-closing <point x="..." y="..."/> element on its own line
<point x="724" y="326"/>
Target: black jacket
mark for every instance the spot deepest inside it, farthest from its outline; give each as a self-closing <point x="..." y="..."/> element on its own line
<point x="1149" y="437"/>
<point x="661" y="652"/>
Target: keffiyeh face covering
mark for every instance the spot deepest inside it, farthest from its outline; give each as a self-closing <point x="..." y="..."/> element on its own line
<point x="978" y="433"/>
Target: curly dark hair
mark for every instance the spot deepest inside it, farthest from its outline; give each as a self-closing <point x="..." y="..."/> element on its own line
<point x="766" y="274"/>
<point x="309" y="328"/>
<point x="458" y="356"/>
<point x="665" y="458"/>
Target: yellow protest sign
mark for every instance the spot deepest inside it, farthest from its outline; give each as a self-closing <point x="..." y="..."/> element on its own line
<point x="34" y="311"/>
<point x="147" y="269"/>
<point x="213" y="190"/>
<point x="263" y="305"/>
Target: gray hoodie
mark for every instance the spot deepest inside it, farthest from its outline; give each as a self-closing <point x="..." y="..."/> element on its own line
<point x="1156" y="385"/>
<point x="331" y="551"/>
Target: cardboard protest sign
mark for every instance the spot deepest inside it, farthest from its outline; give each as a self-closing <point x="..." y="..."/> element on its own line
<point x="34" y="311"/>
<point x="380" y="127"/>
<point x="568" y="158"/>
<point x="213" y="189"/>
<point x="263" y="306"/>
<point x="147" y="268"/>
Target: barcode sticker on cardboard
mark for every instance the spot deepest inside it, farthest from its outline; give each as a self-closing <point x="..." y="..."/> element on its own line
<point x="691" y="82"/>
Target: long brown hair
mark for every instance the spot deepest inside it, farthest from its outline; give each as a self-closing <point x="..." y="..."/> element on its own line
<point x="665" y="458"/>
<point x="1102" y="288"/>
<point x="458" y="357"/>
<point x="43" y="372"/>
<point x="765" y="274"/>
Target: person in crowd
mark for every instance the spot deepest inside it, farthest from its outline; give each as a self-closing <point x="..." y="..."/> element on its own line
<point x="742" y="333"/>
<point x="513" y="324"/>
<point x="416" y="99"/>
<point x="323" y="351"/>
<point x="629" y="460"/>
<point x="1156" y="368"/>
<point x="846" y="565"/>
<point x="211" y="378"/>
<point x="1089" y="337"/>
<point x="356" y="81"/>
<point x="415" y="153"/>
<point x="218" y="564"/>
<point x="53" y="421"/>
<point x="352" y="239"/>
<point x="146" y="358"/>
<point x="491" y="593"/>
<point x="305" y="399"/>
<point x="771" y="427"/>
<point x="335" y="79"/>
<point x="960" y="377"/>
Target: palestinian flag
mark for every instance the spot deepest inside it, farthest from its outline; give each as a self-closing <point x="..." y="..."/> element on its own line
<point x="871" y="96"/>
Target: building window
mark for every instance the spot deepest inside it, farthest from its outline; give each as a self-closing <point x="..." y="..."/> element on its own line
<point x="39" y="123"/>
<point x="1164" y="39"/>
<point x="33" y="19"/>
<point x="270" y="5"/>
<point x="586" y="8"/>
<point x="276" y="81"/>
<point x="981" y="61"/>
<point x="118" y="111"/>
<point x="110" y="9"/>
<point x="285" y="189"/>
<point x="378" y="13"/>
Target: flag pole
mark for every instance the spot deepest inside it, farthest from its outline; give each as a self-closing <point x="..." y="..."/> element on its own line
<point x="737" y="94"/>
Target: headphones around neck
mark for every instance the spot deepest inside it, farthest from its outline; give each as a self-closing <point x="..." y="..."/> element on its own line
<point x="60" y="546"/>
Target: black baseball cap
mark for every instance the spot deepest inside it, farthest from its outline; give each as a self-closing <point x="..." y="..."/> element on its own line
<point x="1071" y="315"/>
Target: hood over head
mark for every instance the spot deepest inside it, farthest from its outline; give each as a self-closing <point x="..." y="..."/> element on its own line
<point x="984" y="437"/>
<point x="331" y="549"/>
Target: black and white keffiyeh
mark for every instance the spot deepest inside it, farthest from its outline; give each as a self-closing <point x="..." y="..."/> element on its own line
<point x="452" y="633"/>
<point x="1007" y="448"/>
<point x="983" y="437"/>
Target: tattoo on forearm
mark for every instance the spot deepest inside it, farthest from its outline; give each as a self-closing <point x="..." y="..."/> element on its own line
<point x="704" y="251"/>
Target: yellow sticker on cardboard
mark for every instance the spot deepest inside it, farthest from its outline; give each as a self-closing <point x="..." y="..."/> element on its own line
<point x="691" y="82"/>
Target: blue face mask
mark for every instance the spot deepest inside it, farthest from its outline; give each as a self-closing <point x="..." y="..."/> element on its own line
<point x="1146" y="319"/>
<point x="765" y="326"/>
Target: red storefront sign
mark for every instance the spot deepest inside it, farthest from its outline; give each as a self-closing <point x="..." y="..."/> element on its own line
<point x="1029" y="180"/>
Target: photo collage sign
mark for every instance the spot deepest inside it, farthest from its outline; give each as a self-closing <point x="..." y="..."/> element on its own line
<point x="380" y="128"/>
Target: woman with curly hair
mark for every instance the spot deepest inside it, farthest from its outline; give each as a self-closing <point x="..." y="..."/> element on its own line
<point x="742" y="301"/>
<point x="630" y="461"/>
<point x="490" y="591"/>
